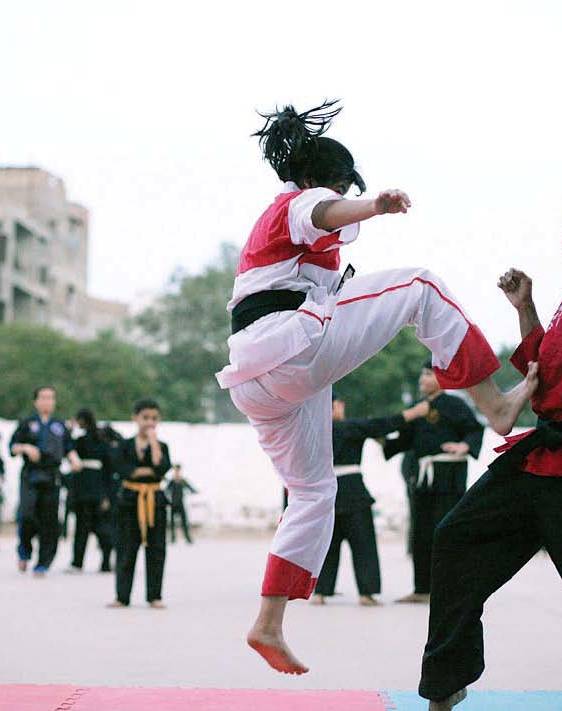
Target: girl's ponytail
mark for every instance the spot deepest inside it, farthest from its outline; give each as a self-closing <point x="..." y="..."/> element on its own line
<point x="289" y="140"/>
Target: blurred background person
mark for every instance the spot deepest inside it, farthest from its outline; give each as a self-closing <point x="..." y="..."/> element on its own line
<point x="354" y="516"/>
<point x="441" y="443"/>
<point x="142" y="463"/>
<point x="91" y="493"/>
<point x="43" y="441"/>
<point x="177" y="487"/>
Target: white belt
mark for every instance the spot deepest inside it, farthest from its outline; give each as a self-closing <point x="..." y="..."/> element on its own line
<point x="92" y="464"/>
<point x="343" y="469"/>
<point x="426" y="469"/>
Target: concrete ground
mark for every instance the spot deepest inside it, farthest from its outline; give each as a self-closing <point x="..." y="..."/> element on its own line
<point x="57" y="630"/>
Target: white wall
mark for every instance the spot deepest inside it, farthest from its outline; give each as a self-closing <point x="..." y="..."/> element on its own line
<point x="237" y="484"/>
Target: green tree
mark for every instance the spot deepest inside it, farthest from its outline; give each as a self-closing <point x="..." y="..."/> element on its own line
<point x="187" y="329"/>
<point x="387" y="381"/>
<point x="104" y="374"/>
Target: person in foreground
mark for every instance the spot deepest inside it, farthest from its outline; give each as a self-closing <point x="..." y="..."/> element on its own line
<point x="298" y="327"/>
<point x="513" y="511"/>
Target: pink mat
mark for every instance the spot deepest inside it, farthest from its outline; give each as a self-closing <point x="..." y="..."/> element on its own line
<point x="69" y="698"/>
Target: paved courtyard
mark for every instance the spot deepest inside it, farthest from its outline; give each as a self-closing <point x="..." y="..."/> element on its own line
<point x="57" y="630"/>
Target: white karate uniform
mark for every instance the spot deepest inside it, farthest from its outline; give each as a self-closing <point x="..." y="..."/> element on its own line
<point x="282" y="366"/>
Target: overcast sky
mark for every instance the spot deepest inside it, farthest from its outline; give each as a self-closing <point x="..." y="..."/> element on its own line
<point x="145" y="110"/>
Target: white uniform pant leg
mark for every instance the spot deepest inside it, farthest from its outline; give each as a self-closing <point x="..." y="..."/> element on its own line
<point x="368" y="313"/>
<point x="299" y="443"/>
<point x="372" y="309"/>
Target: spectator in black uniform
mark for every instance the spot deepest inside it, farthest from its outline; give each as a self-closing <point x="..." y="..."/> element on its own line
<point x="43" y="441"/>
<point x="354" y="518"/>
<point x="113" y="440"/>
<point x="141" y="462"/>
<point x="175" y="490"/>
<point x="91" y="493"/>
<point x="441" y="443"/>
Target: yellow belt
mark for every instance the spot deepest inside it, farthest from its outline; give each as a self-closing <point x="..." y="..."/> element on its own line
<point x="146" y="505"/>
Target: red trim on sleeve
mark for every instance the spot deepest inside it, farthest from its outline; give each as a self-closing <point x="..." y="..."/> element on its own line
<point x="473" y="362"/>
<point x="528" y="350"/>
<point x="285" y="579"/>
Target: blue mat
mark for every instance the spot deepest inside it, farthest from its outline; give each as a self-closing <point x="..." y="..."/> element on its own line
<point x="487" y="701"/>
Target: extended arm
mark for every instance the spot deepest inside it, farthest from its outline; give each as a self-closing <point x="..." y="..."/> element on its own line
<point x="332" y="215"/>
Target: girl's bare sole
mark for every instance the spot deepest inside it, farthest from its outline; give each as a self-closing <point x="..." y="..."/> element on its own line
<point x="273" y="649"/>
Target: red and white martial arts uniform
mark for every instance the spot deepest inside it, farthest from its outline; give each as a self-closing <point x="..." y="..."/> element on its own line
<point x="282" y="366"/>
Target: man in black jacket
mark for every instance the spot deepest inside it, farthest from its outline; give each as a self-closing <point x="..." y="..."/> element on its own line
<point x="43" y="441"/>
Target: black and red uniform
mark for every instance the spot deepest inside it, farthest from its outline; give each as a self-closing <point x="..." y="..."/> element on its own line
<point x="512" y="512"/>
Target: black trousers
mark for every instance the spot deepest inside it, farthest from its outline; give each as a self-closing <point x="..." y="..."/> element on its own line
<point x="358" y="529"/>
<point x="499" y="525"/>
<point x="181" y="512"/>
<point x="38" y="515"/>
<point x="128" y="543"/>
<point x="428" y="509"/>
<point x="91" y="519"/>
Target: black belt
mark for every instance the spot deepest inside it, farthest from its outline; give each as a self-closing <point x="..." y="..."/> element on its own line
<point x="548" y="435"/>
<point x="262" y="303"/>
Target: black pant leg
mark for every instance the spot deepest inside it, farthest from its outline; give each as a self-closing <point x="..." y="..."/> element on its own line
<point x="489" y="536"/>
<point x="360" y="532"/>
<point x="156" y="555"/>
<point x="49" y="526"/>
<point x="102" y="528"/>
<point x="27" y="520"/>
<point x="548" y="510"/>
<point x="326" y="583"/>
<point x="184" y="523"/>
<point x="173" y="524"/>
<point x="423" y="528"/>
<point x="81" y="532"/>
<point x="128" y="542"/>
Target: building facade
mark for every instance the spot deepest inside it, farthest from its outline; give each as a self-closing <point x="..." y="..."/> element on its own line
<point x="44" y="258"/>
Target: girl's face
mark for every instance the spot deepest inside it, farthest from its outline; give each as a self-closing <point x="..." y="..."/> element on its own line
<point x="147" y="420"/>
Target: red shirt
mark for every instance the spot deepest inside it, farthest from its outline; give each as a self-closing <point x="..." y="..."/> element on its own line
<point x="546" y="349"/>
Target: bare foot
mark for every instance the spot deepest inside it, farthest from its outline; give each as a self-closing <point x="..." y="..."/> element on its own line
<point x="274" y="650"/>
<point x="22" y="566"/>
<point x="318" y="600"/>
<point x="448" y="703"/>
<point x="116" y="604"/>
<point x="157" y="605"/>
<point x="369" y="601"/>
<point x="514" y="401"/>
<point x="414" y="599"/>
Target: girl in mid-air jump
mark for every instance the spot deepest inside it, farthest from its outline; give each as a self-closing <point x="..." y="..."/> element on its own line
<point x="297" y="329"/>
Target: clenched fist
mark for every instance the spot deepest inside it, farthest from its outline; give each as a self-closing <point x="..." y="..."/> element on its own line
<point x="392" y="201"/>
<point x="518" y="288"/>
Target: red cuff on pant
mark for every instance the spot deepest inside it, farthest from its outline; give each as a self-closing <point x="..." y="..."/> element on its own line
<point x="473" y="362"/>
<point x="285" y="579"/>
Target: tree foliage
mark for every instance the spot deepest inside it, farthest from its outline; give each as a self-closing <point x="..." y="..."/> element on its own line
<point x="104" y="374"/>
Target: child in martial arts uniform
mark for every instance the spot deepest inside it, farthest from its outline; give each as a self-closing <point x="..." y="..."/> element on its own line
<point x="141" y="462"/>
<point x="297" y="330"/>
<point x="175" y="491"/>
<point x="91" y="493"/>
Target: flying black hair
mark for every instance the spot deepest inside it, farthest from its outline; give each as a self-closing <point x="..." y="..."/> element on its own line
<point x="295" y="147"/>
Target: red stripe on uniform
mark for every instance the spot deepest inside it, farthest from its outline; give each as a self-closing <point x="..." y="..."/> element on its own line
<point x="405" y="286"/>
